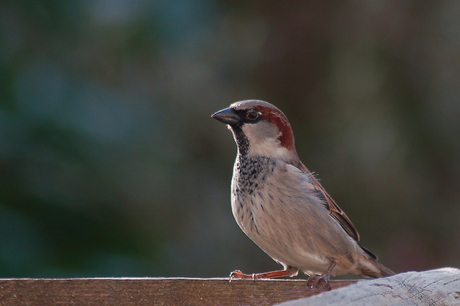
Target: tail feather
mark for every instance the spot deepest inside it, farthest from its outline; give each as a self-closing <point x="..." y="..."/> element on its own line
<point x="374" y="269"/>
<point x="369" y="253"/>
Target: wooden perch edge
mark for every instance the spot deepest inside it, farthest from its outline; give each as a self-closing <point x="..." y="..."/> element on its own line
<point x="158" y="291"/>
<point x="433" y="287"/>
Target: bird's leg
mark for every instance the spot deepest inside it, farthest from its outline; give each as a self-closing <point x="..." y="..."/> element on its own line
<point x="289" y="271"/>
<point x="314" y="280"/>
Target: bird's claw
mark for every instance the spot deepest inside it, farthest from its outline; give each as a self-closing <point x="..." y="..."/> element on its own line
<point x="314" y="282"/>
<point x="239" y="274"/>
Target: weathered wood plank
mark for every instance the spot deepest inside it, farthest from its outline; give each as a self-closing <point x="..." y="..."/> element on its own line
<point x="434" y="287"/>
<point x="158" y="291"/>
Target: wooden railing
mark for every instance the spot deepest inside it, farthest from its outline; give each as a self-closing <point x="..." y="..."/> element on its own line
<point x="434" y="287"/>
<point x="153" y="291"/>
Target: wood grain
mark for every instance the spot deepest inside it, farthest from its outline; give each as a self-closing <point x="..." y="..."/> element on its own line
<point x="154" y="291"/>
<point x="440" y="287"/>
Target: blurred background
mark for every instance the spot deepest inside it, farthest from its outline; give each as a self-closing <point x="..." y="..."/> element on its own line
<point x="110" y="164"/>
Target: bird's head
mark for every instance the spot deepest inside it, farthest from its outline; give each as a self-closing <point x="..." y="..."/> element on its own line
<point x="259" y="129"/>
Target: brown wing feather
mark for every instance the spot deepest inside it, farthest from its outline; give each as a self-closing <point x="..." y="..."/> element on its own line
<point x="334" y="210"/>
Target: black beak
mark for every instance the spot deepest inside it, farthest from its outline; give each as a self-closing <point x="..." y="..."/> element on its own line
<point x="227" y="116"/>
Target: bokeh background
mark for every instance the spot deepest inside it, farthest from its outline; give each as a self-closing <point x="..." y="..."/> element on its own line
<point x="110" y="164"/>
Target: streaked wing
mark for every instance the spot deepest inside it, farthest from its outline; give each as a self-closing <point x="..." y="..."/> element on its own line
<point x="334" y="210"/>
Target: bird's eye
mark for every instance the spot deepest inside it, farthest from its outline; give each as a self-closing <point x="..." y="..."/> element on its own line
<point x="252" y="115"/>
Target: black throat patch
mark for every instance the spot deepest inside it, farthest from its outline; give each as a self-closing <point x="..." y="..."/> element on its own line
<point x="250" y="174"/>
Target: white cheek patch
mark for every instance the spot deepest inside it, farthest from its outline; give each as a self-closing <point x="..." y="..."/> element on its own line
<point x="269" y="148"/>
<point x="264" y="141"/>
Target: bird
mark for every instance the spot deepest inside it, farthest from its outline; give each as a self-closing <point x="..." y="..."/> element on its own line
<point x="280" y="205"/>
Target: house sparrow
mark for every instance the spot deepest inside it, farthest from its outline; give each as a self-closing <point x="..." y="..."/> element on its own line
<point x="280" y="205"/>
